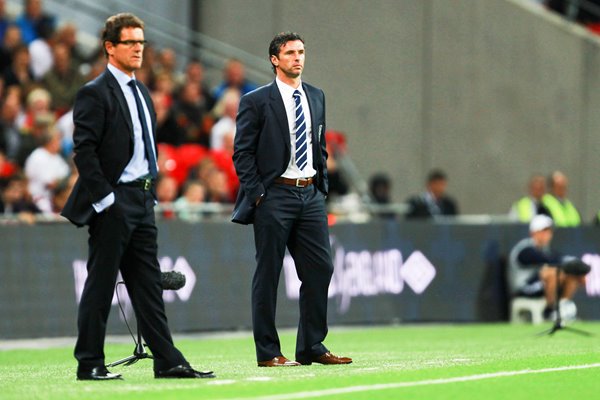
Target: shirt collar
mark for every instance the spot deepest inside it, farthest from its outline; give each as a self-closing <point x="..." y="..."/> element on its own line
<point x="119" y="75"/>
<point x="287" y="92"/>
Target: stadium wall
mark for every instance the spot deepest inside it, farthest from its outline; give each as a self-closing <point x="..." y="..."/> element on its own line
<point x="385" y="272"/>
<point x="491" y="91"/>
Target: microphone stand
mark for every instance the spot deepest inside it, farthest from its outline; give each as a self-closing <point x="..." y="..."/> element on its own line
<point x="139" y="352"/>
<point x="558" y="324"/>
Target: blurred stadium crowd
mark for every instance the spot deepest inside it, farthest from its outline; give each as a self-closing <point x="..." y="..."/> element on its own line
<point x="42" y="66"/>
<point x="41" y="69"/>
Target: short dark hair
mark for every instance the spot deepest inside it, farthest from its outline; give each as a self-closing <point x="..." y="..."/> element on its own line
<point x="279" y="40"/>
<point x="115" y="24"/>
<point x="436" y="175"/>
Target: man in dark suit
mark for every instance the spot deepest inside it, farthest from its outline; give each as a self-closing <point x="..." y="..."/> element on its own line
<point x="115" y="154"/>
<point x="434" y="201"/>
<point x="279" y="156"/>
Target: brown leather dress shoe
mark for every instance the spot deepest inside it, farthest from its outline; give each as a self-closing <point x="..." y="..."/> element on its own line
<point x="329" y="359"/>
<point x="280" y="361"/>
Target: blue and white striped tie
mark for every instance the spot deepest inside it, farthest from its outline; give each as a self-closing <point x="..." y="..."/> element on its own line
<point x="300" y="130"/>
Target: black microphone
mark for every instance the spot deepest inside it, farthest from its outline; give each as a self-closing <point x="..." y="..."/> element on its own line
<point x="172" y="280"/>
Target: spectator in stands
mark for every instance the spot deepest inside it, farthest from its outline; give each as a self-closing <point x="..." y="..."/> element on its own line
<point x="7" y="170"/>
<point x="62" y="191"/>
<point x="167" y="64"/>
<point x="67" y="35"/>
<point x="39" y="101"/>
<point x="45" y="168"/>
<point x="19" y="72"/>
<point x="164" y="84"/>
<point x="167" y="129"/>
<point x="217" y="187"/>
<point x="10" y="136"/>
<point x="16" y="201"/>
<point x="35" y="137"/>
<point x="434" y="201"/>
<point x="527" y="207"/>
<point x="562" y="211"/>
<point x="234" y="76"/>
<point x="4" y="20"/>
<point x="336" y="149"/>
<point x="194" y="72"/>
<point x="380" y="188"/>
<point x="194" y="194"/>
<point x="31" y="19"/>
<point x="167" y="192"/>
<point x="532" y="269"/>
<point x="584" y="12"/>
<point x="63" y="80"/>
<point x="190" y="111"/>
<point x="11" y="40"/>
<point x="40" y="50"/>
<point x="226" y="111"/>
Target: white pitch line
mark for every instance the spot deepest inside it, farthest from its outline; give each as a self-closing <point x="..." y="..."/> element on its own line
<point x="385" y="386"/>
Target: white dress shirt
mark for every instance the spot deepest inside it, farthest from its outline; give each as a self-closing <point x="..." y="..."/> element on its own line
<point x="287" y="93"/>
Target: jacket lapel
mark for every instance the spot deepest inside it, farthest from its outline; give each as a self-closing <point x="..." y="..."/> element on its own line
<point x="280" y="114"/>
<point x="315" y="134"/>
<point x="313" y="120"/>
<point x="118" y="94"/>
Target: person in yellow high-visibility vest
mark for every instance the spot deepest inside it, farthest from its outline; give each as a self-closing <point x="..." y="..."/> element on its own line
<point x="561" y="209"/>
<point x="527" y="207"/>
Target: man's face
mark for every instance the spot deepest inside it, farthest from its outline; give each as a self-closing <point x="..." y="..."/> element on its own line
<point x="559" y="186"/>
<point x="542" y="238"/>
<point x="124" y="56"/>
<point x="290" y="61"/>
<point x="537" y="188"/>
<point x="438" y="187"/>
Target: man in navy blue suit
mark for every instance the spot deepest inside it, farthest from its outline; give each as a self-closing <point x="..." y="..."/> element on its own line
<point x="114" y="195"/>
<point x="280" y="159"/>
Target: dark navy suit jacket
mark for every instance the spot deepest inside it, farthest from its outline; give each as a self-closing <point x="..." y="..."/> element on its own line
<point x="103" y="140"/>
<point x="262" y="147"/>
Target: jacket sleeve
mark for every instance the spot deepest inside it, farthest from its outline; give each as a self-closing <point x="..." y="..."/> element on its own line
<point x="323" y="144"/>
<point x="248" y="128"/>
<point x="88" y="117"/>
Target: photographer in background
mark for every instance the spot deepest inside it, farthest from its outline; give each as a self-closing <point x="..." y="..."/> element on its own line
<point x="532" y="270"/>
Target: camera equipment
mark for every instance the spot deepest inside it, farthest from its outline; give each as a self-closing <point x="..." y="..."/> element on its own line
<point x="571" y="266"/>
<point x="171" y="280"/>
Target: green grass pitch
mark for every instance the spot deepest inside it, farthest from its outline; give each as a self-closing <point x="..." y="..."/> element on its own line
<point x="471" y="361"/>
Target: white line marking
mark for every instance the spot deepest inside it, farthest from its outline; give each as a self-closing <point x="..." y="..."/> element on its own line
<point x="385" y="386"/>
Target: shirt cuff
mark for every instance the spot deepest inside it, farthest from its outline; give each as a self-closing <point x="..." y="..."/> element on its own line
<point x="104" y="203"/>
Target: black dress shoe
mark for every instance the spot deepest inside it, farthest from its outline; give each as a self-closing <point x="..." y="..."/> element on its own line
<point x="183" y="371"/>
<point x="96" y="374"/>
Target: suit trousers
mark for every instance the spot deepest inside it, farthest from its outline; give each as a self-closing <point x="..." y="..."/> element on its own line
<point x="295" y="218"/>
<point x="124" y="238"/>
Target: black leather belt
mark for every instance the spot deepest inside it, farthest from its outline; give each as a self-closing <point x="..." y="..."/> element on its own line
<point x="300" y="182"/>
<point x="142" y="183"/>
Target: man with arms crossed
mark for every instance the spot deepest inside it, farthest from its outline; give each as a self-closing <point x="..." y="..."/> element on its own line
<point x="115" y="154"/>
<point x="279" y="156"/>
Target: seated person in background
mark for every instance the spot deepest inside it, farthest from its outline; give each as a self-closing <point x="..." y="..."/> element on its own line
<point x="434" y="201"/>
<point x="562" y="211"/>
<point x="532" y="270"/>
<point x="226" y="112"/>
<point x="194" y="194"/>
<point x="16" y="201"/>
<point x="524" y="209"/>
<point x="46" y="169"/>
<point x="234" y="77"/>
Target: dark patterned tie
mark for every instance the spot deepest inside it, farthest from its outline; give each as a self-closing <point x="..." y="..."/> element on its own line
<point x="300" y="129"/>
<point x="145" y="132"/>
